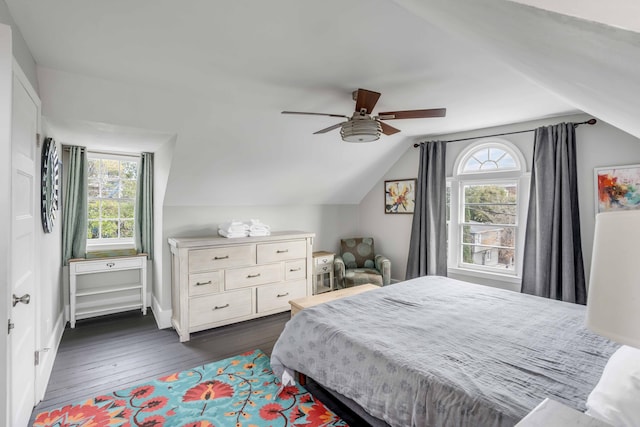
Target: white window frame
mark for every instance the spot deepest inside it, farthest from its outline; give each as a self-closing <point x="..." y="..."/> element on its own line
<point x="117" y="243"/>
<point x="519" y="176"/>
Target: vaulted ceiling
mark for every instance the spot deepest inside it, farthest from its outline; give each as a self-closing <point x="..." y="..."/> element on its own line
<point x="216" y="75"/>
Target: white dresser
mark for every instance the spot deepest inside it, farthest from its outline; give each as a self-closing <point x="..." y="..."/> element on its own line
<point x="217" y="281"/>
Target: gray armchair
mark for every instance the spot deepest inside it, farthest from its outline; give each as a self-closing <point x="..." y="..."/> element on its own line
<point x="357" y="264"/>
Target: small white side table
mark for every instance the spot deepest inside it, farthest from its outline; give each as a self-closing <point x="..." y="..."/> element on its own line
<point x="550" y="413"/>
<point x="322" y="272"/>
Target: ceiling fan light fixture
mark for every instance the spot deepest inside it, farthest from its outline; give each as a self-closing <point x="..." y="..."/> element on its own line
<point x="361" y="130"/>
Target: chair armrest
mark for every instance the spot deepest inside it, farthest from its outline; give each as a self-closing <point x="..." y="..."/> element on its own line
<point x="338" y="271"/>
<point x="383" y="265"/>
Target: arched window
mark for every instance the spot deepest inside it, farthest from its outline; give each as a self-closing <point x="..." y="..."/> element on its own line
<point x="488" y="191"/>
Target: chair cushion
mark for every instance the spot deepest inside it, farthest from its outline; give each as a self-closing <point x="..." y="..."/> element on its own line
<point x="358" y="252"/>
<point x="361" y="276"/>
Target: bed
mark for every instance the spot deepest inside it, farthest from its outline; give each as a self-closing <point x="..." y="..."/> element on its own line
<point x="434" y="351"/>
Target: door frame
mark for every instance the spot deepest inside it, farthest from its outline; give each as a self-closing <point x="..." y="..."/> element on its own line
<point x="6" y="82"/>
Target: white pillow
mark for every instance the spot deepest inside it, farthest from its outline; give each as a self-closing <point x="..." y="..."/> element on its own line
<point x="616" y="397"/>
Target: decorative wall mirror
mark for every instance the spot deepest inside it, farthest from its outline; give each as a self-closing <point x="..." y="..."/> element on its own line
<point x="50" y="184"/>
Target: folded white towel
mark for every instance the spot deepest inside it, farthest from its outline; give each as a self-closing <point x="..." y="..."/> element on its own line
<point x="233" y="227"/>
<point x="233" y="234"/>
<point x="257" y="225"/>
<point x="258" y="233"/>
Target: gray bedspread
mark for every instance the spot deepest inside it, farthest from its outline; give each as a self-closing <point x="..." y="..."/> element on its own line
<point x="439" y="352"/>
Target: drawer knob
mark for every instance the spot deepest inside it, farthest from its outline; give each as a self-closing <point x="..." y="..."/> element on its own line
<point x="251" y="276"/>
<point x="284" y="251"/>
<point x="111" y="264"/>
<point x="295" y="269"/>
<point x="221" y="307"/>
<point x="203" y="283"/>
<point x="283" y="295"/>
<point x="215" y="258"/>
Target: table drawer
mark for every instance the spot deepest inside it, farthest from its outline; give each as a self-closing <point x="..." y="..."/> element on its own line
<point x="295" y="269"/>
<point x="108" y="264"/>
<point x="219" y="307"/>
<point x="216" y="258"/>
<point x="206" y="283"/>
<point x="281" y="251"/>
<point x="324" y="259"/>
<point x="251" y="276"/>
<point x="323" y="268"/>
<point x="276" y="297"/>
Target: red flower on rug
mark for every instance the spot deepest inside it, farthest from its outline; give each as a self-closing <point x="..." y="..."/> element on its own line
<point x="271" y="411"/>
<point x="289" y="392"/>
<point x="320" y="415"/>
<point x="75" y="415"/>
<point x="154" y="404"/>
<point x="152" y="421"/>
<point x="142" y="392"/>
<point x="208" y="390"/>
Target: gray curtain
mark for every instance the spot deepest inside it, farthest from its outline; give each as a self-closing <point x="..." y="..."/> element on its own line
<point x="74" y="223"/>
<point x="428" y="246"/>
<point x="553" y="265"/>
<point x="144" y="206"/>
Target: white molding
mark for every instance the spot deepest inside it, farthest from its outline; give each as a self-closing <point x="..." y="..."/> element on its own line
<point x="163" y="317"/>
<point x="48" y="357"/>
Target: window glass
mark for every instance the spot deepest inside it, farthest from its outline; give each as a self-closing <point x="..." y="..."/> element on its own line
<point x="487" y="159"/>
<point x="111" y="195"/>
<point x="483" y="219"/>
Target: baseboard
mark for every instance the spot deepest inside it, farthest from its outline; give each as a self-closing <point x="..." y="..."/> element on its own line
<point x="47" y="358"/>
<point x="163" y="317"/>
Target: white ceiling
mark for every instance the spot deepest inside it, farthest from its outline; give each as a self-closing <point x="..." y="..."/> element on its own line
<point x="217" y="74"/>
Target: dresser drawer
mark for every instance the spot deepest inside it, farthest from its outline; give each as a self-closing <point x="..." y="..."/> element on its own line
<point x="108" y="264"/>
<point x="276" y="297"/>
<point x="295" y="269"/>
<point x="251" y="276"/>
<point x="281" y="251"/>
<point x="206" y="283"/>
<point x="220" y="307"/>
<point x="216" y="258"/>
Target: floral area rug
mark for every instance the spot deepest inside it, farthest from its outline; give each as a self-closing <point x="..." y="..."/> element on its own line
<point x="240" y="391"/>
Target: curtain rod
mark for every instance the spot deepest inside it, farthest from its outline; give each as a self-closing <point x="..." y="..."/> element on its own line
<point x="588" y="122"/>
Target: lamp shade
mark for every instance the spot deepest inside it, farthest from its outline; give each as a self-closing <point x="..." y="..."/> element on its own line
<point x="613" y="303"/>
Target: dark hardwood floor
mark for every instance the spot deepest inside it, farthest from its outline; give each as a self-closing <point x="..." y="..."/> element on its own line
<point x="114" y="352"/>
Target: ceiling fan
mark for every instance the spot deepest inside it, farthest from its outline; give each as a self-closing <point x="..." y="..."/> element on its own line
<point x="362" y="127"/>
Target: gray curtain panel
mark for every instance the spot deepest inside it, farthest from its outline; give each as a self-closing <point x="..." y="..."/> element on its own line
<point x="553" y="265"/>
<point x="428" y="246"/>
<point x="74" y="223"/>
<point x="144" y="206"/>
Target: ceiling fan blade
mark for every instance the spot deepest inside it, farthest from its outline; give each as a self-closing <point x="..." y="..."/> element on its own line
<point x="366" y="99"/>
<point x="388" y="130"/>
<point x="329" y="129"/>
<point x="413" y="114"/>
<point x="315" y="114"/>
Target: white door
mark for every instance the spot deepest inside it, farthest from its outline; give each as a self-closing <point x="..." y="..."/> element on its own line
<point x="24" y="219"/>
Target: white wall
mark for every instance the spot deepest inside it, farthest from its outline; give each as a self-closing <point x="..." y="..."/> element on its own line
<point x="329" y="222"/>
<point x="161" y="169"/>
<point x="598" y="145"/>
<point x="20" y="50"/>
<point x="51" y="285"/>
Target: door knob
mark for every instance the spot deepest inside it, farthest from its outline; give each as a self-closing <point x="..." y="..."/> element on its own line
<point x="23" y="299"/>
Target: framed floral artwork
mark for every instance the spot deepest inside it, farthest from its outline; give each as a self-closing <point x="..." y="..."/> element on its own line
<point x="400" y="196"/>
<point x="617" y="188"/>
